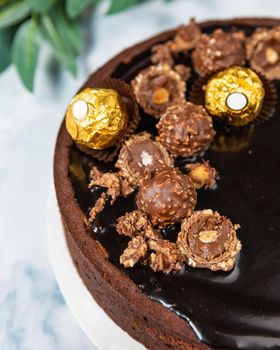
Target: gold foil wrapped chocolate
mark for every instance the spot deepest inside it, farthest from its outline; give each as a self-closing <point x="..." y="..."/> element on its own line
<point x="96" y="118"/>
<point x="234" y="95"/>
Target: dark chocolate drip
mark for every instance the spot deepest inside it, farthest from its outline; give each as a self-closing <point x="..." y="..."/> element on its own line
<point x="236" y="310"/>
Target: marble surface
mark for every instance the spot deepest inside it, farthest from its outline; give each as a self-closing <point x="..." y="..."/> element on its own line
<point x="33" y="314"/>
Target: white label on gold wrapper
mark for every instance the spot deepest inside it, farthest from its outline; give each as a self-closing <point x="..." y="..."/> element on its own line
<point x="236" y="101"/>
<point x="80" y="109"/>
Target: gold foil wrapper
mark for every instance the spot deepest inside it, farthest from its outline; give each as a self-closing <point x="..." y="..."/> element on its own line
<point x="234" y="96"/>
<point x="96" y="118"/>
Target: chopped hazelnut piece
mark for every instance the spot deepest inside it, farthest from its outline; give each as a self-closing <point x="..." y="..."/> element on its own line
<point x="136" y="250"/>
<point x="136" y="223"/>
<point x="98" y="207"/>
<point x="202" y="175"/>
<point x="160" y="96"/>
<point x="166" y="256"/>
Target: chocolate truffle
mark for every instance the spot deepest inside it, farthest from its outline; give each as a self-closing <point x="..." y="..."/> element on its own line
<point x="167" y="196"/>
<point x="141" y="154"/>
<point x="208" y="240"/>
<point x="234" y="95"/>
<point x="185" y="129"/>
<point x="263" y="52"/>
<point x="217" y="51"/>
<point x="158" y="87"/>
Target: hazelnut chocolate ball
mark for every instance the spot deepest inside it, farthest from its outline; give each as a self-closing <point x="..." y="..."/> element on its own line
<point x="158" y="87"/>
<point x="185" y="129"/>
<point x="208" y="240"/>
<point x="139" y="155"/>
<point x="218" y="50"/>
<point x="263" y="52"/>
<point x="167" y="196"/>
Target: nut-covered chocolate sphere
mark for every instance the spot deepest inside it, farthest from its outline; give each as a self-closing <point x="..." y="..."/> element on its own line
<point x="234" y="95"/>
<point x="208" y="240"/>
<point x="96" y="118"/>
<point x="139" y="155"/>
<point x="158" y="87"/>
<point x="185" y="129"/>
<point x="167" y="196"/>
<point x="217" y="51"/>
<point x="263" y="52"/>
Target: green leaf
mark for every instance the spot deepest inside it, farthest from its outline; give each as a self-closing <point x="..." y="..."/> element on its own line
<point x="25" y="52"/>
<point x="6" y="38"/>
<point x="69" y="30"/>
<point x="120" y="5"/>
<point x="61" y="51"/>
<point x="40" y="6"/>
<point x="75" y="7"/>
<point x="13" y="13"/>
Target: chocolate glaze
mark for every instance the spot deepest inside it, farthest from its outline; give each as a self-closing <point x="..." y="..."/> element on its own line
<point x="236" y="310"/>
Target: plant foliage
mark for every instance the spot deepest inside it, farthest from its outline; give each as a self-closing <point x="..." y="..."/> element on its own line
<point x="25" y="24"/>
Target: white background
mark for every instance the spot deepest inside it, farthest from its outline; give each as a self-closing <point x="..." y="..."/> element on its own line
<point x="33" y="314"/>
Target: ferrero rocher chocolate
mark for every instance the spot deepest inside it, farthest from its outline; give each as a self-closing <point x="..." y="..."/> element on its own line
<point x="139" y="155"/>
<point x="158" y="87"/>
<point x="208" y="240"/>
<point x="167" y="196"/>
<point x="234" y="95"/>
<point x="96" y="118"/>
<point x="263" y="51"/>
<point x="185" y="129"/>
<point x="218" y="50"/>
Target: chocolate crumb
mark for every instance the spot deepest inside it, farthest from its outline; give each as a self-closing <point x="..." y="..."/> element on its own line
<point x="109" y="180"/>
<point x="202" y="175"/>
<point x="165" y="256"/>
<point x="162" y="54"/>
<point x="114" y="183"/>
<point x="98" y="207"/>
<point x="135" y="251"/>
<point x="186" y="37"/>
<point x="136" y="223"/>
<point x="183" y="71"/>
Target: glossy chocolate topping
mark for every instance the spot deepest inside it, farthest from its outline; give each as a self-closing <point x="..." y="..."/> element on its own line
<point x="235" y="310"/>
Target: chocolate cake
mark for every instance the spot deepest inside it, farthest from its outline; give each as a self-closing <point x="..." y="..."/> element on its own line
<point x="173" y="224"/>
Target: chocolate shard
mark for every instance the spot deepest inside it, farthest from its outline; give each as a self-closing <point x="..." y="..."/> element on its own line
<point x="202" y="175"/>
<point x="135" y="251"/>
<point x="136" y="223"/>
<point x="165" y="256"/>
